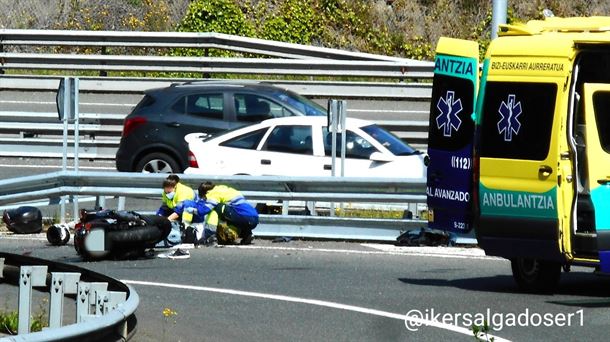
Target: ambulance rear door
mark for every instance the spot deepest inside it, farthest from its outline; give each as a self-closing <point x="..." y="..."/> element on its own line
<point x="451" y="134"/>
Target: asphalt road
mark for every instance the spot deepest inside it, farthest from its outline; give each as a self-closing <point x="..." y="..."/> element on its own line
<point x="330" y="291"/>
<point x="19" y="167"/>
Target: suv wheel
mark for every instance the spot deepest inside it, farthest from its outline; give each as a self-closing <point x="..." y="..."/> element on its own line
<point x="157" y="162"/>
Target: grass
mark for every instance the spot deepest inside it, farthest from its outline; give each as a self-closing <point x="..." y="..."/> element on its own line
<point x="9" y="321"/>
<point x="369" y="213"/>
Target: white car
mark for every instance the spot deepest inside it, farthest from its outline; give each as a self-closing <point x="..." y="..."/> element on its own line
<point x="301" y="146"/>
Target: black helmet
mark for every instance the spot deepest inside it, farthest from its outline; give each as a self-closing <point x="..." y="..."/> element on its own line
<point x="23" y="220"/>
<point x="58" y="234"/>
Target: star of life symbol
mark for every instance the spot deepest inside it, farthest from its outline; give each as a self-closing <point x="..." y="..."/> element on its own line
<point x="448" y="119"/>
<point x="509" y="123"/>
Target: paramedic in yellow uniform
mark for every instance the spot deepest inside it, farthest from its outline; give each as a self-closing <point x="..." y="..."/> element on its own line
<point x="174" y="192"/>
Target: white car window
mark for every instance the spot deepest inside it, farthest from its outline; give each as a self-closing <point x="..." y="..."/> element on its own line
<point x="290" y="139"/>
<point x="355" y="145"/>
<point x="249" y="140"/>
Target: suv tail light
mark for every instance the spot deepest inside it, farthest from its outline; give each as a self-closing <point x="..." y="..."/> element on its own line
<point x="132" y="123"/>
<point x="193" y="160"/>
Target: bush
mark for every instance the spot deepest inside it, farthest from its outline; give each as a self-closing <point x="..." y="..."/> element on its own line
<point x="222" y="16"/>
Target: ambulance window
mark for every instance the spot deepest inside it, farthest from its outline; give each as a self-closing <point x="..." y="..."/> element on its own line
<point x="517" y="120"/>
<point x="601" y="103"/>
<point x="451" y="126"/>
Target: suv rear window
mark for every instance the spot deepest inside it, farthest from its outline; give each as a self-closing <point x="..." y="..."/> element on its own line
<point x="254" y="108"/>
<point x="204" y="105"/>
<point x="517" y="120"/>
<point x="146" y="101"/>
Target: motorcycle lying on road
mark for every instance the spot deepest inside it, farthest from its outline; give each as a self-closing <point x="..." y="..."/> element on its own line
<point x="112" y="234"/>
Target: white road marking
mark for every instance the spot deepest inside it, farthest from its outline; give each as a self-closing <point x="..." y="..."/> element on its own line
<point x="437" y="252"/>
<point x="57" y="167"/>
<point x="443" y="252"/>
<point x="81" y="103"/>
<point x="29" y="237"/>
<point x="440" y="250"/>
<point x="316" y="302"/>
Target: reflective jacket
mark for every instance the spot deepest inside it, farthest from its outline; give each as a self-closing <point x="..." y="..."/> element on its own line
<point x="182" y="193"/>
<point x="221" y="194"/>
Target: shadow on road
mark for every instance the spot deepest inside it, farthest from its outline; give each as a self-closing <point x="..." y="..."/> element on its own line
<point x="596" y="289"/>
<point x="499" y="283"/>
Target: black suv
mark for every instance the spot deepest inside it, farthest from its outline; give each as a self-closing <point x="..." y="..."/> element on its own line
<point x="153" y="133"/>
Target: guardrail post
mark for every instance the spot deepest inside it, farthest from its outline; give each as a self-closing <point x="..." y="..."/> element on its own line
<point x="104" y="73"/>
<point x="206" y="53"/>
<point x="30" y="276"/>
<point x="75" y="114"/>
<point x="86" y="299"/>
<point x="1" y="268"/>
<point x="413" y="209"/>
<point x="61" y="283"/>
<point x="100" y="202"/>
<point x="311" y="207"/>
<point x="108" y="300"/>
<point x="285" y="207"/>
<point x="1" y="50"/>
<point x="121" y="205"/>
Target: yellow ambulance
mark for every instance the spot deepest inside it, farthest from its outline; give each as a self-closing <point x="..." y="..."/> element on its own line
<point x="526" y="162"/>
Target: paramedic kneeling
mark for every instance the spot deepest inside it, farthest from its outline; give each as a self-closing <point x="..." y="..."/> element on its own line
<point x="225" y="203"/>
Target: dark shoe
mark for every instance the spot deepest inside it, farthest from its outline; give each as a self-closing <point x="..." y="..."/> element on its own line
<point x="189" y="235"/>
<point x="246" y="239"/>
<point x="210" y="241"/>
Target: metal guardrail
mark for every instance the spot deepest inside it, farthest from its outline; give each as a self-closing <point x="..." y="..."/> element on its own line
<point x="105" y="307"/>
<point x="317" y="89"/>
<point x="200" y="40"/>
<point x="295" y="59"/>
<point x="216" y="65"/>
<point x="328" y="189"/>
<point x="409" y="192"/>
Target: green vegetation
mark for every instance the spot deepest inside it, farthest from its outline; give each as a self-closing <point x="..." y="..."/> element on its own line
<point x="9" y="321"/>
<point x="369" y="213"/>
<point x="405" y="28"/>
<point x="481" y="333"/>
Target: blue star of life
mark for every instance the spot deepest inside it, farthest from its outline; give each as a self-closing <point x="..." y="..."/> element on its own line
<point x="449" y="108"/>
<point x="509" y="123"/>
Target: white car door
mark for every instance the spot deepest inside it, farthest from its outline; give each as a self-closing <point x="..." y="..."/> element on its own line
<point x="235" y="156"/>
<point x="289" y="151"/>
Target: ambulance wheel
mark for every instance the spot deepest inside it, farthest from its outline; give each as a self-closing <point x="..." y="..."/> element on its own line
<point x="536" y="276"/>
